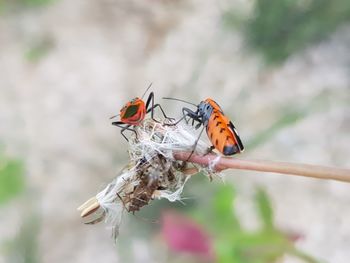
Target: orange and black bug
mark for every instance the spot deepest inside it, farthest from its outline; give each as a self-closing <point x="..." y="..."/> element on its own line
<point x="134" y="112"/>
<point x="220" y="130"/>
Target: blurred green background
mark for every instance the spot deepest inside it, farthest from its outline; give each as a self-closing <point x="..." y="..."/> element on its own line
<point x="280" y="69"/>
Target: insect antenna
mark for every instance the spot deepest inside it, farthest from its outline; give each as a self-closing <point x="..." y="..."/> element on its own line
<point x="114" y="116"/>
<point x="149" y="86"/>
<point x="166" y="98"/>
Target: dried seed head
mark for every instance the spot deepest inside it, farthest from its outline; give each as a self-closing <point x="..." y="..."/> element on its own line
<point x="152" y="172"/>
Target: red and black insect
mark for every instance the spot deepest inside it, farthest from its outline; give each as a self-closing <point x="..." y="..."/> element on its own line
<point x="220" y="130"/>
<point x="134" y="112"/>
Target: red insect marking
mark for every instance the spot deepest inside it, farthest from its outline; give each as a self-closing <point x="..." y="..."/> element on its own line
<point x="213" y="104"/>
<point x="222" y="136"/>
<point x="133" y="112"/>
<point x="220" y="130"/>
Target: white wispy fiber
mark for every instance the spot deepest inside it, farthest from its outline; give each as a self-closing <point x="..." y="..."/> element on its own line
<point x="157" y="138"/>
<point x="152" y="172"/>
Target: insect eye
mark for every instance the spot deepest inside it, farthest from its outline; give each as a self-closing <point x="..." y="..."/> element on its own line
<point x="133" y="100"/>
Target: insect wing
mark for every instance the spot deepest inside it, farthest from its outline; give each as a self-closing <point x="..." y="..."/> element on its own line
<point x="236" y="136"/>
<point x="131" y="111"/>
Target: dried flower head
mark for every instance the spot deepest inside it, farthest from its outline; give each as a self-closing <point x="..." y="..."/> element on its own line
<point x="152" y="172"/>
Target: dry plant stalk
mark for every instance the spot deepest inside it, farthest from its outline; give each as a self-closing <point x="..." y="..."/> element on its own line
<point x="158" y="169"/>
<point x="219" y="163"/>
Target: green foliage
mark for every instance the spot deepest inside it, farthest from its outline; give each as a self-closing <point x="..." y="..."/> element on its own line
<point x="12" y="183"/>
<point x="14" y="5"/>
<point x="287" y="118"/>
<point x="289" y="115"/>
<point x="222" y="205"/>
<point x="2" y="6"/>
<point x="214" y="208"/>
<point x="264" y="209"/>
<point x="24" y="247"/>
<point x="279" y="28"/>
<point x="39" y="49"/>
<point x="11" y="179"/>
<point x="35" y="2"/>
<point x="233" y="244"/>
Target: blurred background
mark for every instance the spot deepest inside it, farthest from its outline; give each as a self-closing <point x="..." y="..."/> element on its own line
<point x="280" y="69"/>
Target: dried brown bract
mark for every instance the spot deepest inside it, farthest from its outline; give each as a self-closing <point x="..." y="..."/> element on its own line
<point x="152" y="173"/>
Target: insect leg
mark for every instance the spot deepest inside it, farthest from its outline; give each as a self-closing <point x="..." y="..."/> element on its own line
<point x="195" y="144"/>
<point x="160" y="107"/>
<point x="124" y="127"/>
<point x="192" y="115"/>
<point x="209" y="150"/>
<point x="121" y="199"/>
<point x="150" y="99"/>
<point x="175" y="123"/>
<point x="151" y="109"/>
<point x="185" y="113"/>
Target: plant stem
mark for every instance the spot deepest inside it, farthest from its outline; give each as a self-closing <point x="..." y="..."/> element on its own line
<point x="220" y="163"/>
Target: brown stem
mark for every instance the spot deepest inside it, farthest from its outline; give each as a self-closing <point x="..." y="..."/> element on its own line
<point x="307" y="170"/>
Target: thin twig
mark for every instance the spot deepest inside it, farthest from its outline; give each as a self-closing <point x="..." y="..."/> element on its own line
<point x="220" y="163"/>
